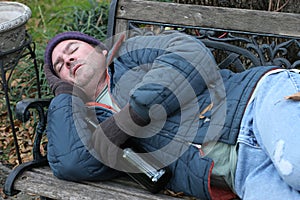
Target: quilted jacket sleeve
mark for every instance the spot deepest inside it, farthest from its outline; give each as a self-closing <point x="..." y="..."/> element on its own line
<point x="67" y="132"/>
<point x="169" y="70"/>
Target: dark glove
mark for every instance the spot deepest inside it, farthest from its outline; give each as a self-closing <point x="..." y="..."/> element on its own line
<point x="111" y="134"/>
<point x="59" y="86"/>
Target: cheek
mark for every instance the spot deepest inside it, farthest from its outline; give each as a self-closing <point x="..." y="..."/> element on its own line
<point x="65" y="75"/>
<point x="96" y="59"/>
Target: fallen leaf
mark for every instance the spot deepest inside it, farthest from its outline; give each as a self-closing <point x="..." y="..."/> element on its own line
<point x="15" y="82"/>
<point x="174" y="194"/>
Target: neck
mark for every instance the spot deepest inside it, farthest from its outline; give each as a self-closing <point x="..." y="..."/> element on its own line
<point x="101" y="84"/>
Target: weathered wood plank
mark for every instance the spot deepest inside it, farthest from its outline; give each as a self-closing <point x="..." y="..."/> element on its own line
<point x="211" y="17"/>
<point x="42" y="182"/>
<point x="121" y="25"/>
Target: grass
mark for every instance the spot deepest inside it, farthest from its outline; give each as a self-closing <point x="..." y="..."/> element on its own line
<point x="49" y="17"/>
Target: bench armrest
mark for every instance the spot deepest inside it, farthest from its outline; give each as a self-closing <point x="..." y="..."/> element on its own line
<point x="23" y="114"/>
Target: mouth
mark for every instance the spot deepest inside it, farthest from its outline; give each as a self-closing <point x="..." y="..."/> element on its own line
<point x="75" y="68"/>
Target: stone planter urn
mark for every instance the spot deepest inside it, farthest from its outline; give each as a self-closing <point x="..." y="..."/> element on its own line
<point x="13" y="17"/>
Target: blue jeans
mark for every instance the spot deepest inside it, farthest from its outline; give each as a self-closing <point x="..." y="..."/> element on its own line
<point x="268" y="165"/>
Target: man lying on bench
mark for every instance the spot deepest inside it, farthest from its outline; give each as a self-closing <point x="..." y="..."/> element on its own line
<point x="215" y="131"/>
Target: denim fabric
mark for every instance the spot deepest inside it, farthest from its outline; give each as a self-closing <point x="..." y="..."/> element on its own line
<point x="268" y="165"/>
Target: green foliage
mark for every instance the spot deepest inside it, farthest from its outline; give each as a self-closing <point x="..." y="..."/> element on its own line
<point x="92" y="21"/>
<point x="48" y="18"/>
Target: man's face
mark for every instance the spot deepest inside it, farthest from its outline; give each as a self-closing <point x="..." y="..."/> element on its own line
<point x="78" y="62"/>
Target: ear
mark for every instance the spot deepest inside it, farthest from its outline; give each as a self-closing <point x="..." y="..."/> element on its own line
<point x="104" y="52"/>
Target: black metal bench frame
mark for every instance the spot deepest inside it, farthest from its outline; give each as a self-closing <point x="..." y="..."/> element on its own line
<point x="236" y="47"/>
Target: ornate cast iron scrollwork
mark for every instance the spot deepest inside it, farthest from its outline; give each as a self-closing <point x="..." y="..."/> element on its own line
<point x="235" y="50"/>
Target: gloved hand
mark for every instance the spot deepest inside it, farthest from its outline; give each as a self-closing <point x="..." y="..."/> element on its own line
<point x="59" y="86"/>
<point x="111" y="134"/>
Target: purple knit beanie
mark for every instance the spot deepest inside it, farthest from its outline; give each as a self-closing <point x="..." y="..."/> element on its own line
<point x="70" y="35"/>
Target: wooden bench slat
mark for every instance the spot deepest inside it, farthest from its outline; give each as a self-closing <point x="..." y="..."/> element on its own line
<point x="211" y="17"/>
<point x="41" y="181"/>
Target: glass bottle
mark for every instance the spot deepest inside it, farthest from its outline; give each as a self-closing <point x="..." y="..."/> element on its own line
<point x="146" y="170"/>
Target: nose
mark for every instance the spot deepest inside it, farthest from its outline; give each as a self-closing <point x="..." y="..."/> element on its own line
<point x="69" y="61"/>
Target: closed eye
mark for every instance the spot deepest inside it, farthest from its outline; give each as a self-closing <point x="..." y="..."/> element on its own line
<point x="58" y="66"/>
<point x="71" y="48"/>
